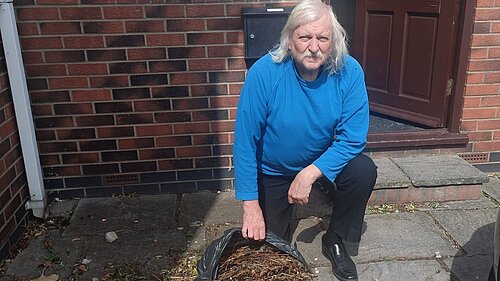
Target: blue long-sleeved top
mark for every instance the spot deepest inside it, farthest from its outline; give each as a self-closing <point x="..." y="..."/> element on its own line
<point x="285" y="123"/>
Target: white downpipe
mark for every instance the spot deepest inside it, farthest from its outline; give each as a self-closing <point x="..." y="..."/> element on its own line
<point x="22" y="107"/>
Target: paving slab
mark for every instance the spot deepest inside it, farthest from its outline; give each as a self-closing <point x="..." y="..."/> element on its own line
<point x="470" y="268"/>
<point x="67" y="250"/>
<point x="439" y="170"/>
<point x="492" y="188"/>
<point x="211" y="208"/>
<point x="402" y="235"/>
<point x="422" y="270"/>
<point x="389" y="174"/>
<point x="482" y="203"/>
<point x="472" y="229"/>
<point x="62" y="208"/>
<point x="307" y="239"/>
<point x="94" y="216"/>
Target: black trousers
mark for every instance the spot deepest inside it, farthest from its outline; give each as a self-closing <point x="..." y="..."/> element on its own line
<point x="352" y="190"/>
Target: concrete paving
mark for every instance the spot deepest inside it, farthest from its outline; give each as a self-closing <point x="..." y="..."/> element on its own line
<point x="435" y="241"/>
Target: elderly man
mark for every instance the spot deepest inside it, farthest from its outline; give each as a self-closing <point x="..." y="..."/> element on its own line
<point x="303" y="115"/>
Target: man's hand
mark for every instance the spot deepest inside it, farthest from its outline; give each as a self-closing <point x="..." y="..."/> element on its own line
<point x="302" y="184"/>
<point x="254" y="226"/>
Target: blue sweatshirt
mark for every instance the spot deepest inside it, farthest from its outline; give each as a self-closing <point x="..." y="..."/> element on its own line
<point x="285" y="123"/>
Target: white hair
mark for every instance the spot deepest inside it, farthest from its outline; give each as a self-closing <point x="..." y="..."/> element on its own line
<point x="306" y="12"/>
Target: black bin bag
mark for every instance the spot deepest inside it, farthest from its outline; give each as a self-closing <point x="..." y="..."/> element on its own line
<point x="232" y="239"/>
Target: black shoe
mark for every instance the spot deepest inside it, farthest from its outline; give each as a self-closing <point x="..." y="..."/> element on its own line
<point x="342" y="265"/>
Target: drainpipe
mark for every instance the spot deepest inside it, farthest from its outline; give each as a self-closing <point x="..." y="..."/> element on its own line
<point x="22" y="108"/>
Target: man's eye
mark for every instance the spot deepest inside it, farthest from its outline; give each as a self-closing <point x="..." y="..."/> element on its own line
<point x="324" y="39"/>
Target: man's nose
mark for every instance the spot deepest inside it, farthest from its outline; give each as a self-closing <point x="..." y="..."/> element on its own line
<point x="313" y="45"/>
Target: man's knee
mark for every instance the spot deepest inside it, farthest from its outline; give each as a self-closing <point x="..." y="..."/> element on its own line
<point x="363" y="169"/>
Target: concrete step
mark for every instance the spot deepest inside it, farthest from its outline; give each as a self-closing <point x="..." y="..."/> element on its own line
<point x="426" y="178"/>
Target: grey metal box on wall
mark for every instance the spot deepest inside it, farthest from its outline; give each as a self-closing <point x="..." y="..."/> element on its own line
<point x="262" y="27"/>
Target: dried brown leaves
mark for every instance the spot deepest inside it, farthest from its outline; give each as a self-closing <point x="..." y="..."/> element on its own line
<point x="261" y="263"/>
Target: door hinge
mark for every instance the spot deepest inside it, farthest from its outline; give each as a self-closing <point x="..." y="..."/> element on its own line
<point x="449" y="87"/>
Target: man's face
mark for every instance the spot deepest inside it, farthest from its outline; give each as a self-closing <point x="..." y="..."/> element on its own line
<point x="311" y="46"/>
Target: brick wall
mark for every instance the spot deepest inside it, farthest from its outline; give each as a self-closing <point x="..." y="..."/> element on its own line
<point x="130" y="96"/>
<point x="13" y="186"/>
<point x="481" y="115"/>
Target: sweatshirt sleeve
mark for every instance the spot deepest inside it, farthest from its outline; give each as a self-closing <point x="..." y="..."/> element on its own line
<point x="352" y="129"/>
<point x="250" y="122"/>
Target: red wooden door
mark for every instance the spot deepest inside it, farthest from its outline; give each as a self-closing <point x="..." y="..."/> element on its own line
<point x="406" y="48"/>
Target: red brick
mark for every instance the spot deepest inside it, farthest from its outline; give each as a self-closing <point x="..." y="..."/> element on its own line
<point x="235" y="9"/>
<point x="486" y="146"/>
<point x="493" y="124"/>
<point x="205" y="38"/>
<point x="60" y="28"/>
<point x="173" y="141"/>
<point x="190" y="103"/>
<point x="125" y="40"/>
<point x="210" y="139"/>
<point x="475" y="78"/>
<point x="496" y="135"/>
<point x="492" y="77"/>
<point x="165" y="11"/>
<point x="95" y="120"/>
<point x="65" y="56"/>
<point x="115" y="132"/>
<point x="32" y="57"/>
<point x="188" y="78"/>
<point x="56" y="2"/>
<point x="192" y="151"/>
<point x="80" y="158"/>
<point x="106" y="55"/>
<point x="222" y="126"/>
<point x="485" y="3"/>
<point x="152" y="105"/>
<point x="146" y="53"/>
<point x="207" y="64"/>
<point x="54" y="122"/>
<point x="68" y="83"/>
<point x="472" y="102"/>
<point x="205" y="10"/>
<point x="167" y="66"/>
<point x="486" y="39"/>
<point x="127" y="67"/>
<point x="46" y="70"/>
<point x="91" y="95"/>
<point x="186" y="52"/>
<point x="479" y="53"/>
<point x="33" y="13"/>
<point x="88" y="69"/>
<point x="221" y="102"/>
<point x="81" y="13"/>
<point x="487" y="14"/>
<point x="236" y="37"/>
<point x="479" y="113"/>
<point x="185" y="25"/>
<point x="165" y="40"/>
<point x="42" y="110"/>
<point x="124" y="12"/>
<point x="490" y="101"/>
<point x="482" y="27"/>
<point x="156" y="130"/>
<point x="145" y="26"/>
<point x="50" y="97"/>
<point x="208" y="115"/>
<point x="494" y="52"/>
<point x="75" y="134"/>
<point x="162" y="153"/>
<point x="481" y="90"/>
<point x="225" y="24"/>
<point x="109" y="81"/>
<point x="235" y="89"/>
<point x="50" y="160"/>
<point x="236" y="64"/>
<point x="226" y="76"/>
<point x="490" y="65"/>
<point x="412" y="194"/>
<point x="208" y="90"/>
<point x="175" y="164"/>
<point x="495" y="27"/>
<point x="191" y="128"/>
<point x="25" y="28"/>
<point x="480" y="136"/>
<point x="232" y="114"/>
<point x="73" y="108"/>
<point x="105" y="27"/>
<point x="83" y="42"/>
<point x="136" y="143"/>
<point x="40" y="43"/>
<point x="226" y="51"/>
<point x="212" y="162"/>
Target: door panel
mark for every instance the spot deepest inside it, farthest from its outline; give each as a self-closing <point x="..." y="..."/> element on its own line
<point x="406" y="49"/>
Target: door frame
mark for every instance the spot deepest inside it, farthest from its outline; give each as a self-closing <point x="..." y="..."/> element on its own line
<point x="449" y="136"/>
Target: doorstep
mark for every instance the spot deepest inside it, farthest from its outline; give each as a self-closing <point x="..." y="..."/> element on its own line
<point x="426" y="178"/>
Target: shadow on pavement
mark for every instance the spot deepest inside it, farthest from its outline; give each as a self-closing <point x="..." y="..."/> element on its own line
<point x="475" y="263"/>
